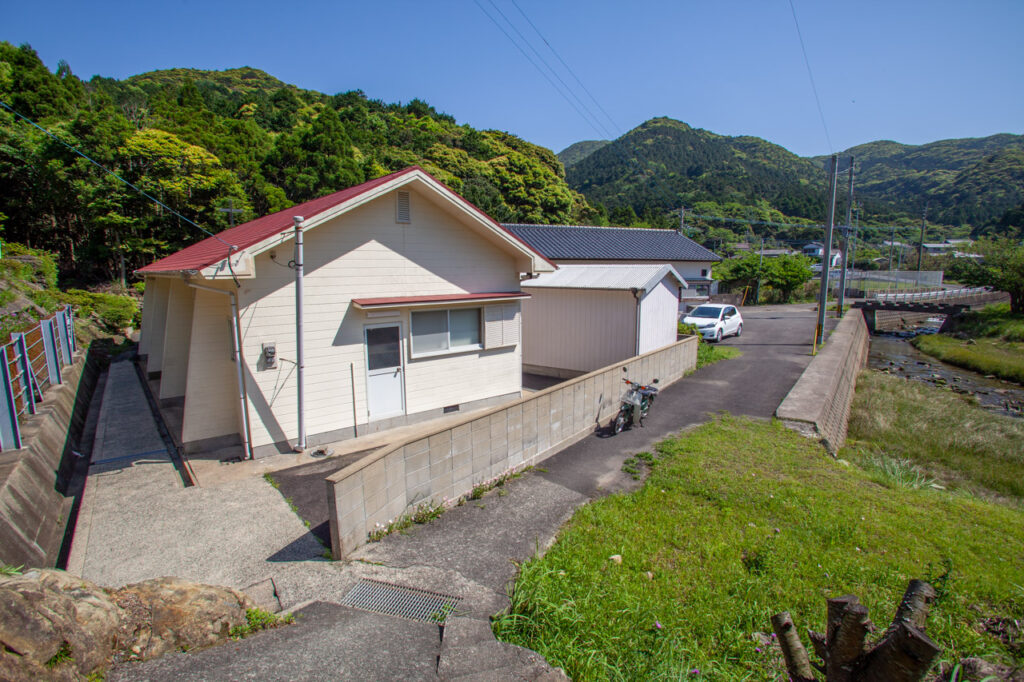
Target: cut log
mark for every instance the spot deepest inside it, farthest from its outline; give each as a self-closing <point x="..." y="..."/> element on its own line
<point x="904" y="655"/>
<point x="845" y="650"/>
<point x="836" y="607"/>
<point x="819" y="643"/>
<point x="798" y="665"/>
<point x="914" y="607"/>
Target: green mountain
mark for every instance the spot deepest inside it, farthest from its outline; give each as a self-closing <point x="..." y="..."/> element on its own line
<point x="578" y="151"/>
<point x="200" y="141"/>
<point x="663" y="163"/>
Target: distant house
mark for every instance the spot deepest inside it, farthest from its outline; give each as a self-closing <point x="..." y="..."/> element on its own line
<point x="580" y="245"/>
<point x="816" y="249"/>
<point x="411" y="308"/>
<point x="937" y="249"/>
<point x="584" y="317"/>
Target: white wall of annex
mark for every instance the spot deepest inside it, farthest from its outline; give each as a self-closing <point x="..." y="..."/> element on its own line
<point x="659" y="310"/>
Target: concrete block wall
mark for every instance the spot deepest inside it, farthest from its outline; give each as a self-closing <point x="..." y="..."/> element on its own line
<point x="33" y="510"/>
<point x="818" y="405"/>
<point x="448" y="463"/>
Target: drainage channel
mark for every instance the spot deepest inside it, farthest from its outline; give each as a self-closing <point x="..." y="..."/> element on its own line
<point x="405" y="602"/>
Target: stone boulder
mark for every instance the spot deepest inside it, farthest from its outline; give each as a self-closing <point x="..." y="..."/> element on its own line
<point x="56" y="626"/>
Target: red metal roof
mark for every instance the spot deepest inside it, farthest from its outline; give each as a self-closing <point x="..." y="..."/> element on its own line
<point x="436" y="298"/>
<point x="214" y="249"/>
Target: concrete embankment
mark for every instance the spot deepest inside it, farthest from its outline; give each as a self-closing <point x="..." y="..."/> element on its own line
<point x="819" y="404"/>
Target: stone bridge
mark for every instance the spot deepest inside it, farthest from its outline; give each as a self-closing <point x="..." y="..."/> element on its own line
<point x="888" y="311"/>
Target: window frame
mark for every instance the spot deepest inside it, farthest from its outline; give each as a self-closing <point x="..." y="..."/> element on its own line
<point x="450" y="350"/>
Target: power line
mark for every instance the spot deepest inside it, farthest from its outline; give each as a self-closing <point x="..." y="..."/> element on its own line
<point x="534" y="64"/>
<point x="807" y="62"/>
<point x="106" y="170"/>
<point x="615" y="126"/>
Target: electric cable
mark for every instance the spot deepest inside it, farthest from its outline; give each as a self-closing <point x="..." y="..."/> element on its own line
<point x="814" y="88"/>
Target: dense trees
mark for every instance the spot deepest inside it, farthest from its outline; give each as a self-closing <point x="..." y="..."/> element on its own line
<point x="1001" y="267"/>
<point x="783" y="274"/>
<point x="199" y="140"/>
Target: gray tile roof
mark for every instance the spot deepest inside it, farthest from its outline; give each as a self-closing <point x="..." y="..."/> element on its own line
<point x="582" y="242"/>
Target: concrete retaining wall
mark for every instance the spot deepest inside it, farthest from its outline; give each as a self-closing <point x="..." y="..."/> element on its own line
<point x="819" y="403"/>
<point x="450" y="462"/>
<point x="33" y="508"/>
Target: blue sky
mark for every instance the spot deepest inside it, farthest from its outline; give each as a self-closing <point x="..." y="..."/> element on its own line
<point x="913" y="71"/>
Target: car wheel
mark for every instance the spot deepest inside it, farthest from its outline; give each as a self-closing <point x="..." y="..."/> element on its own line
<point x="739" y="330"/>
<point x="718" y="336"/>
<point x="619" y="423"/>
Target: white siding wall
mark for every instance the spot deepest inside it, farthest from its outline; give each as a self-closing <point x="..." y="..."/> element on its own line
<point x="658" y="312"/>
<point x="578" y="329"/>
<point x="212" y="404"/>
<point x="177" y="338"/>
<point x="154" y="322"/>
<point x="366" y="254"/>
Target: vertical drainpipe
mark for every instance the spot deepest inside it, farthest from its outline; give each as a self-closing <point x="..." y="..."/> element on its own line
<point x="300" y="443"/>
<point x="636" y="342"/>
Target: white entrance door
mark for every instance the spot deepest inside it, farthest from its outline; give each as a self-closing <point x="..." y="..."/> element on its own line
<point x="384" y="383"/>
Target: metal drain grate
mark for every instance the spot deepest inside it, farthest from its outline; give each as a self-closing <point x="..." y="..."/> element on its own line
<point x="405" y="602"/>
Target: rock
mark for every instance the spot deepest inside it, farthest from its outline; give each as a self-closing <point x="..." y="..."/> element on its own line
<point x="78" y="628"/>
<point x="615" y="558"/>
<point x="167" y="614"/>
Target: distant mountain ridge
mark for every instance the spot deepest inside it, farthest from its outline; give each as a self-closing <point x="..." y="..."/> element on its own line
<point x="580" y="150"/>
<point x="664" y="163"/>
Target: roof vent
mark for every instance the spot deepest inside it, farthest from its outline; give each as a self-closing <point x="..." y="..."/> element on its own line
<point x="402" y="208"/>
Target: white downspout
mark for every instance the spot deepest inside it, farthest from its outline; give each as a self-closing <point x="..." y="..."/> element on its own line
<point x="236" y="347"/>
<point x="300" y="443"/>
<point x="636" y="294"/>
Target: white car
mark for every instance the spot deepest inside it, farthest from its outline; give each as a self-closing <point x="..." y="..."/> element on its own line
<point x="715" y="320"/>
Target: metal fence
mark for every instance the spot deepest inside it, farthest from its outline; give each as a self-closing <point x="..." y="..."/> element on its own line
<point x="898" y="278"/>
<point x="929" y="296"/>
<point x="31" y="363"/>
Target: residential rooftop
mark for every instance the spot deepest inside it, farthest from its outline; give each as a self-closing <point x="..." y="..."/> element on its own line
<point x="590" y="242"/>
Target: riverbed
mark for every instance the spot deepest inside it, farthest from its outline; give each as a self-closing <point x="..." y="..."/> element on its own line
<point x="892" y="353"/>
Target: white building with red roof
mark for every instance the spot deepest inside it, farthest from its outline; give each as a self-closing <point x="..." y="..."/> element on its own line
<point x="409" y="308"/>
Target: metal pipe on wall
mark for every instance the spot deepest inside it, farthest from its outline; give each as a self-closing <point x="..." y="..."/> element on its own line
<point x="236" y="343"/>
<point x="300" y="443"/>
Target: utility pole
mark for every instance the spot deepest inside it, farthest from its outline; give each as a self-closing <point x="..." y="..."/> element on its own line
<point x="892" y="241"/>
<point x="231" y="211"/>
<point x="920" y="246"/>
<point x="823" y="293"/>
<point x="682" y="220"/>
<point x="760" y="262"/>
<point x="846" y="244"/>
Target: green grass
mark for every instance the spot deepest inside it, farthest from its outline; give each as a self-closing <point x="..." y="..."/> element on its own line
<point x="257" y="620"/>
<point x="949" y="439"/>
<point x="1003" y="359"/>
<point x="990" y="341"/>
<point x="740" y="520"/>
<point x="708" y="354"/>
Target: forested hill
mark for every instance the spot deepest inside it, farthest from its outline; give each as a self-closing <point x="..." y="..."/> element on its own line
<point x="204" y="140"/>
<point x="665" y="163"/>
<point x="966" y="181"/>
<point x="578" y="151"/>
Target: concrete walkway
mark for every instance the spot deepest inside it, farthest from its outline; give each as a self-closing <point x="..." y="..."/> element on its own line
<point x="470" y="551"/>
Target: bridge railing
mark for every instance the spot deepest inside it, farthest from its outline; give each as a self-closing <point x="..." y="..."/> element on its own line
<point x="929" y="296"/>
<point x="29" y="365"/>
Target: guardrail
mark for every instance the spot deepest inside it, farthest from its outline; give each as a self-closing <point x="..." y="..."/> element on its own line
<point x="935" y="295"/>
<point x="31" y="363"/>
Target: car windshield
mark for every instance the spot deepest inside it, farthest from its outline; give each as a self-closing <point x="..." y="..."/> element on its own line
<point x="705" y="311"/>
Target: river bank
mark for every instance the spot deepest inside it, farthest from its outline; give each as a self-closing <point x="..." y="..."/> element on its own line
<point x="892" y="353"/>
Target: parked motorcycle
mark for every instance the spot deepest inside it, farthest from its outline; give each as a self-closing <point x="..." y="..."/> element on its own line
<point x="635" y="405"/>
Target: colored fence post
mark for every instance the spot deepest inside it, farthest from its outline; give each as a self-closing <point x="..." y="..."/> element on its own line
<point x="70" y="312"/>
<point x="10" y="435"/>
<point x="51" y="349"/>
<point x="64" y="337"/>
<point x="27" y="380"/>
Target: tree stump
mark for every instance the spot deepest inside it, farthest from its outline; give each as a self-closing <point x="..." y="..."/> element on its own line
<point x="903" y="653"/>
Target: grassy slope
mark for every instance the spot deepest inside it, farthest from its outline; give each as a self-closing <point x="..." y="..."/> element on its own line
<point x="990" y="341"/>
<point x="740" y="520"/>
<point x="949" y="439"/>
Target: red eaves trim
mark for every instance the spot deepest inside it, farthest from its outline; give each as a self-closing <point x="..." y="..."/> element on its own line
<point x="213" y="250"/>
<point x="436" y="298"/>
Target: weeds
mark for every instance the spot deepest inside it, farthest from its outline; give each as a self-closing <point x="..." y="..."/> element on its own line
<point x="10" y="570"/>
<point x="63" y="655"/>
<point x="271" y="480"/>
<point x="257" y="620"/>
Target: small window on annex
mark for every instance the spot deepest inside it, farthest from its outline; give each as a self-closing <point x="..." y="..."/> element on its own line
<point x="441" y="331"/>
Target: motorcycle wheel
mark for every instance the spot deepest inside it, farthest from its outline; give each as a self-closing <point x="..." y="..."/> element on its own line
<point x="620" y="423"/>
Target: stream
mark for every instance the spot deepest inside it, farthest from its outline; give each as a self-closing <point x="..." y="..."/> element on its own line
<point x="891" y="352"/>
